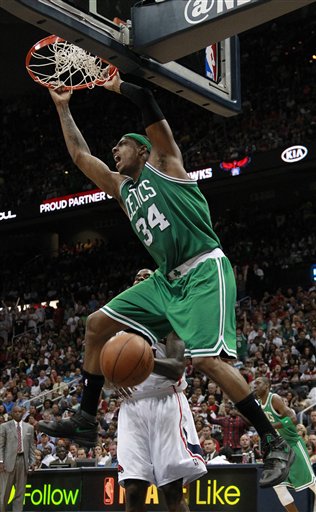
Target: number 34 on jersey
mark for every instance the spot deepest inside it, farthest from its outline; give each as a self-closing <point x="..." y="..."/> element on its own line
<point x="154" y="219"/>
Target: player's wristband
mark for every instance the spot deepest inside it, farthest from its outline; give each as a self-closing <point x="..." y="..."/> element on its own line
<point x="286" y="421"/>
<point x="145" y="100"/>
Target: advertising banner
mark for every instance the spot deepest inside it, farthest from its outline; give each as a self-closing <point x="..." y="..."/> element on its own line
<point x="225" y="488"/>
<point x="294" y="158"/>
<point x="218" y="491"/>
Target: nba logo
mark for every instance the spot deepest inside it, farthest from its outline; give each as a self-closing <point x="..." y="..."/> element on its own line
<point x="211" y="62"/>
<point x="108" y="497"/>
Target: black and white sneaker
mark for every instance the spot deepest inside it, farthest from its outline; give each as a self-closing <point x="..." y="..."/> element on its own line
<point x="278" y="458"/>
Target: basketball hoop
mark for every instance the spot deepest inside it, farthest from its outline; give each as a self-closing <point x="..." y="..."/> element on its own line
<point x="53" y="62"/>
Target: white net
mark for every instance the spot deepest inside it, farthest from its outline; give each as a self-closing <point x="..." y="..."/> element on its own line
<point x="63" y="63"/>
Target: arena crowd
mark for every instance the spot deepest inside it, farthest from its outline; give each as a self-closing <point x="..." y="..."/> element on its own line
<point x="46" y="299"/>
<point x="41" y="360"/>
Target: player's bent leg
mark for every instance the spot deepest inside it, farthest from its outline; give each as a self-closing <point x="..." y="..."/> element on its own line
<point x="227" y="377"/>
<point x="82" y="427"/>
<point x="99" y="329"/>
<point x="135" y="495"/>
<point x="277" y="454"/>
<point x="286" y="499"/>
<point x="173" y="493"/>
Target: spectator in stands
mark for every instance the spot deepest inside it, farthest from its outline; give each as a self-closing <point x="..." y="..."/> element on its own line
<point x="82" y="453"/>
<point x="44" y="442"/>
<point x="233" y="426"/>
<point x="311" y="448"/>
<point x="247" y="454"/>
<point x="3" y="413"/>
<point x="199" y="424"/>
<point x="212" y="404"/>
<point x="73" y="450"/>
<point x="48" y="457"/>
<point x="59" y="385"/>
<point x="3" y="389"/>
<point x="309" y="375"/>
<point x="302" y="431"/>
<point x="312" y="423"/>
<point x="111" y="412"/>
<point x="8" y="402"/>
<point x="62" y="458"/>
<point x="103" y="458"/>
<point x="113" y="453"/>
<point x="209" y="450"/>
<point x="65" y="401"/>
<point x="38" y="459"/>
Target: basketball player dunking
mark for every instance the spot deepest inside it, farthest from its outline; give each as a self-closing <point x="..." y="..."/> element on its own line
<point x="193" y="290"/>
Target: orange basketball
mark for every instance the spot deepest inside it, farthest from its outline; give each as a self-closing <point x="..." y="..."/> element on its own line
<point x="126" y="359"/>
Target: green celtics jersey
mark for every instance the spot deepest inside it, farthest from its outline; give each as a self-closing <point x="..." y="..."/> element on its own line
<point x="301" y="473"/>
<point x="170" y="216"/>
<point x="288" y="432"/>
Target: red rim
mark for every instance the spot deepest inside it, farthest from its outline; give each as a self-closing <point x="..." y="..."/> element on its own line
<point x="56" y="39"/>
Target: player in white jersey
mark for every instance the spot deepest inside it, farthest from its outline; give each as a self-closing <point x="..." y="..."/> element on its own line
<point x="157" y="440"/>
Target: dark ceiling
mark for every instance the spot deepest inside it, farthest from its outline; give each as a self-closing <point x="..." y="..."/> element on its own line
<point x="16" y="37"/>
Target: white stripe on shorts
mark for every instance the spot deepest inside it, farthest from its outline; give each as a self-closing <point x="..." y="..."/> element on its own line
<point x="184" y="268"/>
<point x="129" y="322"/>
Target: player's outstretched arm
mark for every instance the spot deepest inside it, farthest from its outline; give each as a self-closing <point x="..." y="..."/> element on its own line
<point x="96" y="170"/>
<point x="165" y="154"/>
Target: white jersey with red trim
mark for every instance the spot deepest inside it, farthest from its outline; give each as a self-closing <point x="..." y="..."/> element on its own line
<point x="158" y="385"/>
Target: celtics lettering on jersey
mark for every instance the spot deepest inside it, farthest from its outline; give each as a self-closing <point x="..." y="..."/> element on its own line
<point x="135" y="199"/>
<point x="170" y="216"/>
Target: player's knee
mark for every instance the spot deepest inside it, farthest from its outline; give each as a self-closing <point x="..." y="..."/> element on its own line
<point x="283" y="494"/>
<point x="99" y="327"/>
<point x="93" y="324"/>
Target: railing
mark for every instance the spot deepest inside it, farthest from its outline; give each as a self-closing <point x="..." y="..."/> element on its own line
<point x="17" y="336"/>
<point x="300" y="414"/>
<point x="41" y="397"/>
<point x="245" y="302"/>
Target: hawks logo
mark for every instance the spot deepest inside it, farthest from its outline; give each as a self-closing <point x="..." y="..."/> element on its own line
<point x="120" y="469"/>
<point x="235" y="166"/>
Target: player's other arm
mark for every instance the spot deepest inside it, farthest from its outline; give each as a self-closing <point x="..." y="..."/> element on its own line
<point x="165" y="154"/>
<point x="173" y="366"/>
<point x="96" y="170"/>
<point x="287" y="415"/>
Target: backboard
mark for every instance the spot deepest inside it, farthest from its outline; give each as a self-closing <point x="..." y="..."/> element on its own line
<point x="188" y="47"/>
<point x="209" y="77"/>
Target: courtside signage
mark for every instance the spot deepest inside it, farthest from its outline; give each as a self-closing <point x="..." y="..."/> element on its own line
<point x="294" y="154"/>
<point x="54" y="494"/>
<point x="232" y="489"/>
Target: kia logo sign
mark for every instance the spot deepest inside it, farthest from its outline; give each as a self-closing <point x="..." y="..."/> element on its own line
<point x="294" y="154"/>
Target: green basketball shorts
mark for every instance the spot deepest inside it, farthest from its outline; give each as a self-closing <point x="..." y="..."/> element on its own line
<point x="196" y="300"/>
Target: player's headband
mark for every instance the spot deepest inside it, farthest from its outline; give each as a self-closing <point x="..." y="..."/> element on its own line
<point x="140" y="138"/>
